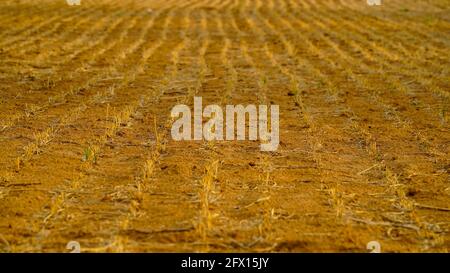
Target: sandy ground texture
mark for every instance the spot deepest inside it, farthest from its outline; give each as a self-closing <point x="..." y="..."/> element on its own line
<point x="87" y="155"/>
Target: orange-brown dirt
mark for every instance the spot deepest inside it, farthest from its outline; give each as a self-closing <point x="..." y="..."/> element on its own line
<point x="87" y="154"/>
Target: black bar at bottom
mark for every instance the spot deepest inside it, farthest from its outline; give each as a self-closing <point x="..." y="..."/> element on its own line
<point x="242" y="262"/>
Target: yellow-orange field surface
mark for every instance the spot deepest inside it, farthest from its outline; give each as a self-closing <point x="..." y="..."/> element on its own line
<point x="86" y="93"/>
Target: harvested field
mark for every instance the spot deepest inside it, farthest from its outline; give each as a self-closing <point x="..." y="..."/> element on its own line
<point x="87" y="155"/>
